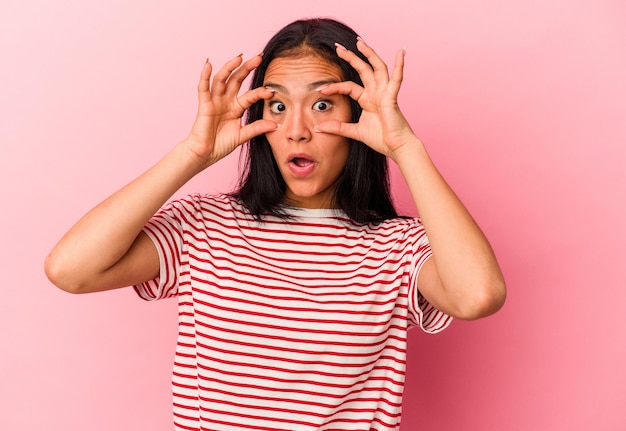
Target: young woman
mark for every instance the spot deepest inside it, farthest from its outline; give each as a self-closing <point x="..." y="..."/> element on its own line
<point x="296" y="290"/>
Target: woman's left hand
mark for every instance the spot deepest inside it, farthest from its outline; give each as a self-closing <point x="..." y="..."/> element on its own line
<point x="382" y="125"/>
<point x="462" y="278"/>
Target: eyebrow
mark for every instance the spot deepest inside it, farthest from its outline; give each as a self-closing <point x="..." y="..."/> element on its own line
<point x="310" y="87"/>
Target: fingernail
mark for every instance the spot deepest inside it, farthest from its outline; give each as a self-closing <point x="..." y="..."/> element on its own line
<point x="270" y="89"/>
<point x="321" y="87"/>
<point x="260" y="54"/>
<point x="338" y="45"/>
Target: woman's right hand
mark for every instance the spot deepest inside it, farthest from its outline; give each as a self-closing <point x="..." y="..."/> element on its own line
<point x="217" y="130"/>
<point x="106" y="248"/>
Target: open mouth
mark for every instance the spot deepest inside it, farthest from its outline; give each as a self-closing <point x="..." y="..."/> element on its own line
<point x="301" y="165"/>
<point x="301" y="162"/>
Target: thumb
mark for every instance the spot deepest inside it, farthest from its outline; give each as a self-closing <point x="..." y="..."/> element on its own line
<point x="347" y="130"/>
<point x="257" y="128"/>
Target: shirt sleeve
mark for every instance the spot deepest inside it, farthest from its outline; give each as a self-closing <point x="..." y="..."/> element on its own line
<point x="165" y="229"/>
<point x="421" y="312"/>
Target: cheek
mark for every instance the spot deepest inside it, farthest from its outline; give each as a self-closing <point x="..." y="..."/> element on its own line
<point x="338" y="149"/>
<point x="345" y="151"/>
<point x="273" y="140"/>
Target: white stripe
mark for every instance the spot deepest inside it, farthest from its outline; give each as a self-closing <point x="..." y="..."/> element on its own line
<point x="289" y="325"/>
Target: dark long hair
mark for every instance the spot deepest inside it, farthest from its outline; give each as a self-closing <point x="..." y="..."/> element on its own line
<point x="362" y="190"/>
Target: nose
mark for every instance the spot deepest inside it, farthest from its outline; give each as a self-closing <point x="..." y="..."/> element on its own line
<point x="298" y="127"/>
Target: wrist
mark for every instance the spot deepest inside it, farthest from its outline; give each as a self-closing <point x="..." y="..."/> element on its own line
<point x="187" y="158"/>
<point x="192" y="156"/>
<point x="410" y="149"/>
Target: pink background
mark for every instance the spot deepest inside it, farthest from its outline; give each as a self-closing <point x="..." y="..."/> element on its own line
<point x="521" y="103"/>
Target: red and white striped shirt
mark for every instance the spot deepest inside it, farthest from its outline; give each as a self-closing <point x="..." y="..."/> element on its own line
<point x="288" y="325"/>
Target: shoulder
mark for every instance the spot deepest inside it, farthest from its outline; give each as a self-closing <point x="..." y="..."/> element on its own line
<point x="195" y="209"/>
<point x="405" y="233"/>
<point x="396" y="224"/>
<point x="221" y="202"/>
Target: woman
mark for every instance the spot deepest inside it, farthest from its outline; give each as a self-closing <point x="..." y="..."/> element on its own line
<point x="295" y="291"/>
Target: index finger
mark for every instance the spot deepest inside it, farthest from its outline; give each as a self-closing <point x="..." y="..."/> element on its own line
<point x="346" y="88"/>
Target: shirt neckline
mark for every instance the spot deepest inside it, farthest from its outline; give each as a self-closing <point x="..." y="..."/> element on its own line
<point x="314" y="212"/>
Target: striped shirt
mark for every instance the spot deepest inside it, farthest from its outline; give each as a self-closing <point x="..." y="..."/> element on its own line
<point x="288" y="325"/>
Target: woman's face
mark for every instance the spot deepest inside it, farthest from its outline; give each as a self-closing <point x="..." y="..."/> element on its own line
<point x="309" y="161"/>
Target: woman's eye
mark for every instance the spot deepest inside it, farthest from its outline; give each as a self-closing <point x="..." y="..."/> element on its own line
<point x="277" y="107"/>
<point x="321" y="106"/>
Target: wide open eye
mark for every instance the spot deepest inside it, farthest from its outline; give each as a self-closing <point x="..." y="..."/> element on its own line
<point x="277" y="107"/>
<point x="322" y="105"/>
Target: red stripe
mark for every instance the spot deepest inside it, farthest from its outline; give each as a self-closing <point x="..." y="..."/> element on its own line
<point x="269" y="313"/>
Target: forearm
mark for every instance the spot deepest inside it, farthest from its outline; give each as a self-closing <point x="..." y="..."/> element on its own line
<point x="471" y="283"/>
<point x="465" y="279"/>
<point x="100" y="239"/>
<point x="106" y="248"/>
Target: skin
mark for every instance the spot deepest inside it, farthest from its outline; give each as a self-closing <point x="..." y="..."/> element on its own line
<point x="106" y="248"/>
<point x="298" y="106"/>
<point x="463" y="277"/>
